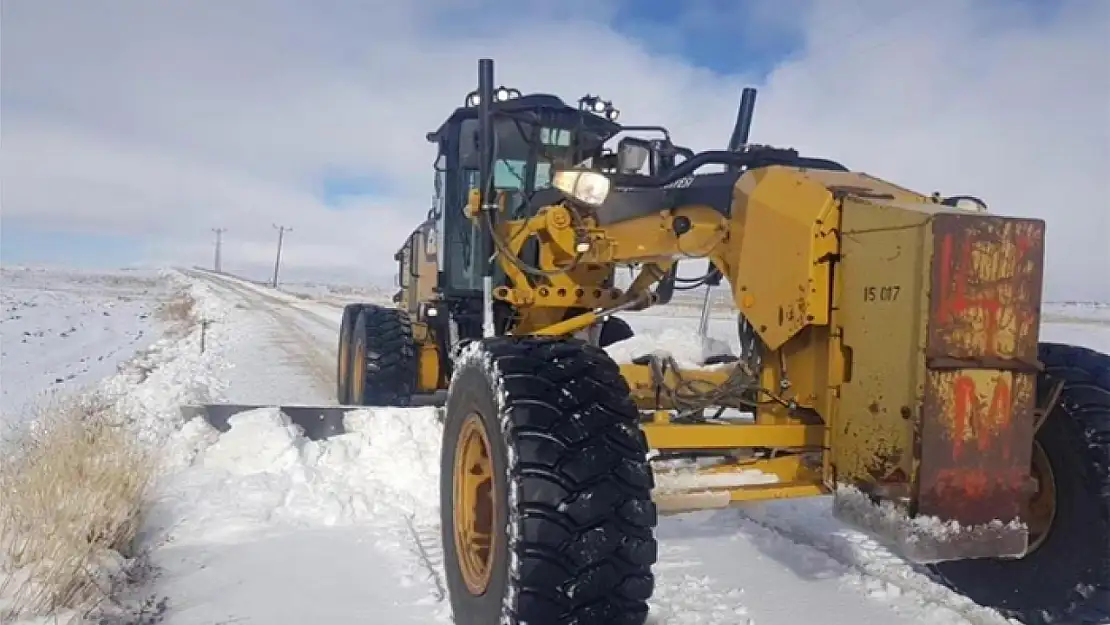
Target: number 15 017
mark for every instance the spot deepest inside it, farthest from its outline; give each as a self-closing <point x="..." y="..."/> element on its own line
<point x="881" y="293"/>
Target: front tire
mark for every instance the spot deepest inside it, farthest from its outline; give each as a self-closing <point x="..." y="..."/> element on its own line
<point x="545" y="488"/>
<point x="1066" y="577"/>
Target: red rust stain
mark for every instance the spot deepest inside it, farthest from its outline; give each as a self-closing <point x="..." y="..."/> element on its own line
<point x="969" y="416"/>
<point x="987" y="286"/>
<point x="979" y="488"/>
<point x="1002" y="415"/>
<point x="964" y="391"/>
<point x="975" y="443"/>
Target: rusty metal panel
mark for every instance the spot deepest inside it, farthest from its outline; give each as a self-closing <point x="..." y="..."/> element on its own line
<point x="976" y="429"/>
<point x="976" y="444"/>
<point x="986" y="288"/>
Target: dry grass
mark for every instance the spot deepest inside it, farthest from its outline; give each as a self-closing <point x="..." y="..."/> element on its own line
<point x="179" y="311"/>
<point x="73" y="491"/>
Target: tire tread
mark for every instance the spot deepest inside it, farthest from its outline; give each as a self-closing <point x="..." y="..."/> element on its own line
<point x="1086" y="399"/>
<point x="391" y="357"/>
<point x="584" y="522"/>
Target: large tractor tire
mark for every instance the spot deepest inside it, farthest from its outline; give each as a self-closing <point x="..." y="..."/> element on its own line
<point x="1065" y="577"/>
<point x="383" y="357"/>
<point x="545" y="488"/>
<point x="343" y="353"/>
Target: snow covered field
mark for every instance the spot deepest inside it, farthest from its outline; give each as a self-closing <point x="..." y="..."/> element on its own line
<point x="63" y="329"/>
<point x="260" y="525"/>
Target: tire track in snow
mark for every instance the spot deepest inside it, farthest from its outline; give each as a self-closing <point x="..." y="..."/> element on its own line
<point x="303" y="347"/>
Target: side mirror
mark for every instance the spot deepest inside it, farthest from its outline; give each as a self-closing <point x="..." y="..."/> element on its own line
<point x="632" y="154"/>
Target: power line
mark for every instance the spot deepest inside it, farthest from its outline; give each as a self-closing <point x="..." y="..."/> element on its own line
<point x="277" y="261"/>
<point x="218" y="265"/>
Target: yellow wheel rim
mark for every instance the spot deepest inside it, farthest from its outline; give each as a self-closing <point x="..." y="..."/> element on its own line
<point x="1042" y="507"/>
<point x="358" y="381"/>
<point x="344" y="365"/>
<point x="474" y="505"/>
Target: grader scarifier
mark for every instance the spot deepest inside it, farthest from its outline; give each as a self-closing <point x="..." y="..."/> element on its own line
<point x="891" y="358"/>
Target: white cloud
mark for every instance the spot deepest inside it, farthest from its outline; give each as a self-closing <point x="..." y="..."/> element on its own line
<point x="166" y="119"/>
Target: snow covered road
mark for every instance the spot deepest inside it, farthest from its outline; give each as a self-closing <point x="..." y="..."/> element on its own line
<point x="290" y="345"/>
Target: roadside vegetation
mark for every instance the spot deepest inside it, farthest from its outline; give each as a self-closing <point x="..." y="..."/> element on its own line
<point x="75" y="486"/>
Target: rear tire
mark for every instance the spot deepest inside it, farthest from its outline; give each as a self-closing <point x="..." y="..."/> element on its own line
<point x="384" y="353"/>
<point x="574" y="542"/>
<point x="1066" y="579"/>
<point x="343" y="354"/>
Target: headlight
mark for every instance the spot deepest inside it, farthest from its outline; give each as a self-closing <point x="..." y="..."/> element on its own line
<point x="588" y="187"/>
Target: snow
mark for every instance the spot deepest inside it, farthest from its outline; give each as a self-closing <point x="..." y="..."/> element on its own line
<point x="337" y="295"/>
<point x="64" y="329"/>
<point x="261" y="493"/>
<point x="260" y="524"/>
<point x="680" y="344"/>
<point x="147" y="388"/>
<point x="892" y="520"/>
<point x="286" y="339"/>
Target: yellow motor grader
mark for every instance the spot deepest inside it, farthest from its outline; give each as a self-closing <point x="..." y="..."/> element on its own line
<point x="890" y="357"/>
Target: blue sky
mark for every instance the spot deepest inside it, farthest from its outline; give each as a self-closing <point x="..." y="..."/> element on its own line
<point x="721" y="35"/>
<point x="29" y="246"/>
<point x="337" y="189"/>
<point x="130" y="130"/>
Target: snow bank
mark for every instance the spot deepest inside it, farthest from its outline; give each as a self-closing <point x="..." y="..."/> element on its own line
<point x="262" y="483"/>
<point x="263" y="472"/>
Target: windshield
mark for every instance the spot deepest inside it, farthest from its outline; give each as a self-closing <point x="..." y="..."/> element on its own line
<point x="509" y="174"/>
<point x="525" y="155"/>
<point x="515" y="150"/>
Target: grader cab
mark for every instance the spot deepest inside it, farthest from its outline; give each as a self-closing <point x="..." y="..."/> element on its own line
<point x="891" y="358"/>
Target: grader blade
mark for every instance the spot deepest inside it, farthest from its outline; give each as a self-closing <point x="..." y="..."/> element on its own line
<point x="317" y="422"/>
<point x="926" y="539"/>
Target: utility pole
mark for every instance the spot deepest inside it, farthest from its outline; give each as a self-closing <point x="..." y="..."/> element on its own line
<point x="277" y="261"/>
<point x="219" y="248"/>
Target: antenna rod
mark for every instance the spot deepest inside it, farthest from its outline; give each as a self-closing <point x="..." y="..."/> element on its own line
<point x="485" y="128"/>
<point x="485" y="191"/>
